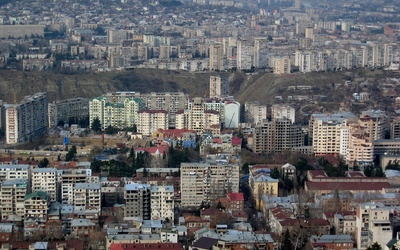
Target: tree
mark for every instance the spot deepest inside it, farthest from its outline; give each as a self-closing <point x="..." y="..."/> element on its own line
<point x="43" y="163"/>
<point x="71" y="154"/>
<point x="96" y="125"/>
<point x="374" y="246"/>
<point x="275" y="173"/>
<point x="286" y="243"/>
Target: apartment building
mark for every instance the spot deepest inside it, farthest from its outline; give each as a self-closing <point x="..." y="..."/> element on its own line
<point x="46" y="180"/>
<point x="21" y="31"/>
<point x="13" y="198"/>
<point x="216" y="57"/>
<point x="219" y="87"/>
<point x="277" y="136"/>
<point x="255" y="112"/>
<point x="37" y="206"/>
<point x="360" y="148"/>
<point x="375" y="123"/>
<point x="373" y="225"/>
<point x="205" y="182"/>
<point x="171" y="102"/>
<point x="162" y="202"/>
<point x="66" y="110"/>
<point x="10" y="172"/>
<point x="68" y="180"/>
<point x="137" y="200"/>
<point x="115" y="112"/>
<point x="245" y="53"/>
<point x="149" y="121"/>
<point x="27" y="119"/>
<point x="395" y="128"/>
<point x="88" y="195"/>
<point x="119" y="109"/>
<point x="350" y="117"/>
<point x="281" y="65"/>
<point x="279" y="111"/>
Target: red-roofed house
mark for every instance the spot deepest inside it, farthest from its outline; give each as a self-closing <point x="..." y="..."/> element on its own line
<point x="236" y="201"/>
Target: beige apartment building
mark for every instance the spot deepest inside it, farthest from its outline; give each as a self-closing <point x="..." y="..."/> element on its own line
<point x="10" y="172"/>
<point x="13" y="198"/>
<point x="219" y="87"/>
<point x="205" y="182"/>
<point x="216" y="57"/>
<point x="360" y="149"/>
<point x="21" y="31"/>
<point x="281" y="65"/>
<point x="149" y="121"/>
<point x="37" y="206"/>
<point x="373" y="225"/>
<point x="88" y="195"/>
<point x="45" y="180"/>
<point x="162" y="202"/>
<point x="327" y="136"/>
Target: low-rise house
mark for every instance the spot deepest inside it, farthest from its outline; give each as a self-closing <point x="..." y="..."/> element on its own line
<point x="339" y="241"/>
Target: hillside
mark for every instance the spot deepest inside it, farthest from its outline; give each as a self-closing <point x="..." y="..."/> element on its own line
<point x="262" y="86"/>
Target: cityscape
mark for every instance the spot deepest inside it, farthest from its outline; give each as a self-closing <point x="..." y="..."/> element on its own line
<point x="199" y="124"/>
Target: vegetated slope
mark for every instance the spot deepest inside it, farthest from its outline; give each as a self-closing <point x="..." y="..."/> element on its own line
<point x="89" y="85"/>
<point x="265" y="86"/>
<point x="261" y="87"/>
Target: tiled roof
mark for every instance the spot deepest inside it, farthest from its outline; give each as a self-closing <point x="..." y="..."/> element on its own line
<point x="236" y="196"/>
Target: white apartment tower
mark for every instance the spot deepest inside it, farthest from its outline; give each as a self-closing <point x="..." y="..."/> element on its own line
<point x="27" y="119"/>
<point x="10" y="172"/>
<point x="205" y="182"/>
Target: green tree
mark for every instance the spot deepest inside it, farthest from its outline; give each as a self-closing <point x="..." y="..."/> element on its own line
<point x="286" y="243"/>
<point x="71" y="154"/>
<point x="379" y="172"/>
<point x="43" y="163"/>
<point x="275" y="173"/>
<point x="374" y="246"/>
<point x="96" y="125"/>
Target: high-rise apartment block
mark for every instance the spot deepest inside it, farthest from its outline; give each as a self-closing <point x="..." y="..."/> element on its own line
<point x="27" y="119"/>
<point x="137" y="201"/>
<point x="87" y="195"/>
<point x="115" y="113"/>
<point x="66" y="110"/>
<point x="119" y="109"/>
<point x="46" y="180"/>
<point x="375" y="123"/>
<point x="255" y="112"/>
<point x="281" y="65"/>
<point x="244" y="57"/>
<point x="205" y="182"/>
<point x="277" y="136"/>
<point x="217" y="57"/>
<point x="12" y="198"/>
<point x="149" y="121"/>
<point x="162" y="202"/>
<point x="219" y="87"/>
